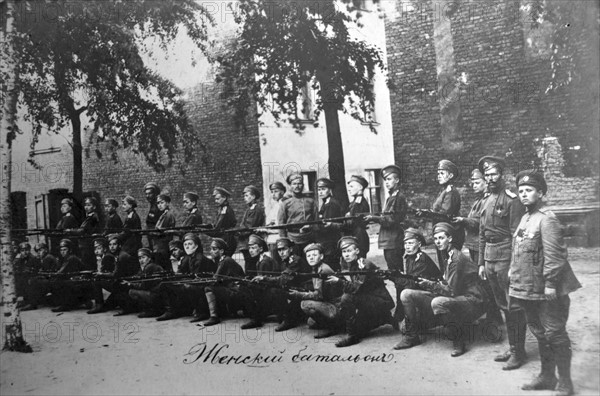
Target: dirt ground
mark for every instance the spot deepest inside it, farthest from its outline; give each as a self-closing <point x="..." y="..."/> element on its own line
<point x="80" y="354"/>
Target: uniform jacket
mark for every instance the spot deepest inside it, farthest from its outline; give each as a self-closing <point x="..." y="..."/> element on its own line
<point x="357" y="228"/>
<point x="271" y="219"/>
<point x="50" y="263"/>
<point x="499" y="219"/>
<point x="197" y="263"/>
<point x="254" y="216"/>
<point x="418" y="264"/>
<point x="293" y="265"/>
<point x="297" y="210"/>
<point x="107" y="263"/>
<point x="329" y="235"/>
<point x="125" y="265"/>
<point x="193" y="218"/>
<point x="131" y="242"/>
<point x="447" y="201"/>
<point x="322" y="291"/>
<point x="165" y="221"/>
<point x="152" y="216"/>
<point x="367" y="284"/>
<point x="391" y="233"/>
<point x="29" y="264"/>
<point x="90" y="225"/>
<point x="224" y="220"/>
<point x="471" y="224"/>
<point x="461" y="276"/>
<point x="113" y="222"/>
<point x="267" y="266"/>
<point x="228" y="267"/>
<point x="70" y="263"/>
<point x="68" y="221"/>
<point x="539" y="257"/>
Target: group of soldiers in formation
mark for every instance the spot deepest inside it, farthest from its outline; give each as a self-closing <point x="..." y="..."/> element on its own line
<point x="306" y="262"/>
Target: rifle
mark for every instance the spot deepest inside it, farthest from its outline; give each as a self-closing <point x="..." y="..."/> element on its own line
<point x="261" y="285"/>
<point x="62" y="275"/>
<point x="429" y="214"/>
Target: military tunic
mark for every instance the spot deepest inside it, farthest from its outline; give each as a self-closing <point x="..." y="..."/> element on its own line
<point x="391" y="233"/>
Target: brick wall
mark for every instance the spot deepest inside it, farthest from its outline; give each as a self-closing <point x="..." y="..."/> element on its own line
<point x="503" y="104"/>
<point x="230" y="158"/>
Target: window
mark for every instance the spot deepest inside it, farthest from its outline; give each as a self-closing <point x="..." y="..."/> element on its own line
<point x="370" y="116"/>
<point x="374" y="194"/>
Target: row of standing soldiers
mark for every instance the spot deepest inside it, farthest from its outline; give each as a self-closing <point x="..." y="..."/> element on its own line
<point x="453" y="293"/>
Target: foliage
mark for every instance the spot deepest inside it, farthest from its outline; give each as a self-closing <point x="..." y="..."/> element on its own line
<point x="285" y="46"/>
<point x="87" y="57"/>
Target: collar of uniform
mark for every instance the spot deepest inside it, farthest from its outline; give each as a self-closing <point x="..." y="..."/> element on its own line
<point x="89" y="214"/>
<point x="262" y="256"/>
<point x="361" y="263"/>
<point x="358" y="199"/>
<point x="417" y="255"/>
<point x="449" y="187"/>
<point x="194" y="210"/>
<point x="130" y="214"/>
<point x="394" y="191"/>
<point x="326" y="200"/>
<point x="252" y="206"/>
<point x="67" y="214"/>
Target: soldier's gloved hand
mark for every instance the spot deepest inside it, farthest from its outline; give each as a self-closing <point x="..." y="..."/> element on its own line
<point x="550" y="293"/>
<point x="482" y="274"/>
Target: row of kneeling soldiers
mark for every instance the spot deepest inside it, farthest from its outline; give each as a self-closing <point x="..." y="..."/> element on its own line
<point x="356" y="301"/>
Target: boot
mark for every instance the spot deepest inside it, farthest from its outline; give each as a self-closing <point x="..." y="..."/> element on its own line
<point x="546" y="380"/>
<point x="562" y="354"/>
<point x="29" y="307"/>
<point x="212" y="308"/>
<point x="286" y="325"/>
<point x="411" y="336"/>
<point x="199" y="317"/>
<point x="347" y="341"/>
<point x="458" y="347"/>
<point x="253" y="324"/>
<point x="97" y="309"/>
<point x="516" y="326"/>
<point x="168" y="315"/>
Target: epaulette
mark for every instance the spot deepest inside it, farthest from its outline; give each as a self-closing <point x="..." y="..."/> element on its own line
<point x="449" y="188"/>
<point x="546" y="211"/>
<point x="510" y="193"/>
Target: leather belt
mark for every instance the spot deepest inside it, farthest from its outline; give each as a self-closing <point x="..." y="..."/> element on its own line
<point x="493" y="239"/>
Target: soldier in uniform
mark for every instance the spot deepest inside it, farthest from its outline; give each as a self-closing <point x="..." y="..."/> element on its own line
<point x="416" y="263"/>
<point x="177" y="251"/>
<point x="322" y="304"/>
<point x="277" y="191"/>
<point x="254" y="216"/>
<point x="67" y="221"/>
<point x="179" y="300"/>
<point x="224" y="295"/>
<point x="471" y="225"/>
<point x="190" y="204"/>
<point x="113" y="222"/>
<point x="541" y="279"/>
<point x="225" y="219"/>
<point x="151" y="190"/>
<point x="499" y="219"/>
<point x="161" y="241"/>
<point x="291" y="276"/>
<point x="366" y="303"/>
<point x="89" y="226"/>
<point x="131" y="241"/>
<point x="106" y="264"/>
<point x="391" y="233"/>
<point x="125" y="265"/>
<point x="358" y="206"/>
<point x="26" y="266"/>
<point x="297" y="209"/>
<point x="328" y="234"/>
<point x="455" y="302"/>
<point x="39" y="286"/>
<point x="49" y="263"/>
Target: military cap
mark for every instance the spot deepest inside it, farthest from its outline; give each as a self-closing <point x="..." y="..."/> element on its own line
<point x="360" y="180"/>
<point x="444" y="227"/>
<point x="221" y="244"/>
<point x="414" y="233"/>
<point x="476" y="174"/>
<point x="222" y="191"/>
<point x="67" y="201"/>
<point x="313" y="246"/>
<point x="130" y="200"/>
<point x="190" y="236"/>
<point x="252" y="190"/>
<point x="66" y="243"/>
<point x="533" y="178"/>
<point x="111" y="201"/>
<point x="325" y="182"/>
<point x="152" y="186"/>
<point x="388" y="170"/>
<point x="40" y="246"/>
<point x="489" y="161"/>
<point x="191" y="196"/>
<point x="101" y="242"/>
<point x="256" y="240"/>
<point x="25" y="245"/>
<point x="346" y="241"/>
<point x="112" y="237"/>
<point x="163" y="197"/>
<point x="448" y="166"/>
<point x="176" y="245"/>
<point x="277" y="185"/>
<point x="293" y="176"/>
<point x="91" y="200"/>
<point x="146" y="252"/>
<point x="284" y="242"/>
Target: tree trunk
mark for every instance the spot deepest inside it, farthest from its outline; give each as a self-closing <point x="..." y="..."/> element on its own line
<point x="74" y="115"/>
<point x="335" y="149"/>
<point x="11" y="318"/>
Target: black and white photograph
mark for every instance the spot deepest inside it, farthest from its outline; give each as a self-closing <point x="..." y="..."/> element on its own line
<point x="300" y="197"/>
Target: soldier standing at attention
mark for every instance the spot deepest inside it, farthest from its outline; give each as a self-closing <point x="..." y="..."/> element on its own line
<point x="328" y="234"/>
<point x="297" y="209"/>
<point x="67" y="221"/>
<point x="541" y="279"/>
<point x="277" y="190"/>
<point x="499" y="219"/>
<point x="89" y="226"/>
<point x="113" y="222"/>
<point x="190" y="204"/>
<point x="391" y="234"/>
<point x="358" y="206"/>
<point x="225" y="219"/>
<point x="165" y="221"/>
<point x="151" y="190"/>
<point x="254" y="216"/>
<point x="131" y="242"/>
